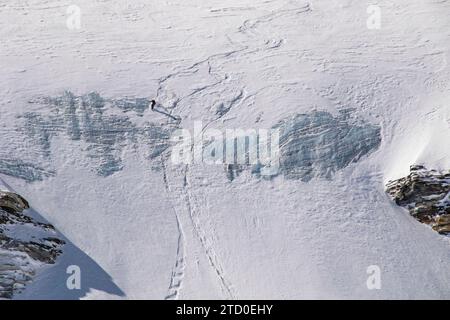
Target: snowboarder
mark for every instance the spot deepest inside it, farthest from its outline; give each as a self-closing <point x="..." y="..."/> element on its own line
<point x="152" y="104"/>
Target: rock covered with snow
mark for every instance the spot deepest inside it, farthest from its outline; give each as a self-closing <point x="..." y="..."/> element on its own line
<point x="426" y="194"/>
<point x="25" y="243"/>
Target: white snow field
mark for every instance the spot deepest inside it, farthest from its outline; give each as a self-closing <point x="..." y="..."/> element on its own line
<point x="356" y="104"/>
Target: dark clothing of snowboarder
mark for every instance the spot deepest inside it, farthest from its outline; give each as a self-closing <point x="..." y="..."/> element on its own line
<point x="152" y="104"/>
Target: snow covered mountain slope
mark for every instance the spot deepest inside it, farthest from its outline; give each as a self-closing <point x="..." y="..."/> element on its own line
<point x="34" y="255"/>
<point x="26" y="244"/>
<point x="355" y="105"/>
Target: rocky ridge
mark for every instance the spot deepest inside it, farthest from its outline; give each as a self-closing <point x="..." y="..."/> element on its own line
<point x="25" y="243"/>
<point x="426" y="194"/>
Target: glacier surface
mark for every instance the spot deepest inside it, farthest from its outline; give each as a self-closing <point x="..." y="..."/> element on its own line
<point x="79" y="142"/>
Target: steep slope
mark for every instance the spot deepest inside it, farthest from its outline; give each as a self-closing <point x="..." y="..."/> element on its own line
<point x="355" y="107"/>
<point x="35" y="259"/>
<point x="26" y="245"/>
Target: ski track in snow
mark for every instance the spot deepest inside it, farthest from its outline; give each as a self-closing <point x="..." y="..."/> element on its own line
<point x="205" y="241"/>
<point x="180" y="262"/>
<point x="248" y="29"/>
<point x="183" y="190"/>
<point x="177" y="274"/>
<point x="272" y="59"/>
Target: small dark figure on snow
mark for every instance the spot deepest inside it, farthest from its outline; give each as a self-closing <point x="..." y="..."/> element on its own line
<point x="152" y="104"/>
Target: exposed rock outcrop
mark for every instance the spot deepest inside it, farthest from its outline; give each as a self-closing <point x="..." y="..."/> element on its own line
<point x="25" y="243"/>
<point x="426" y="194"/>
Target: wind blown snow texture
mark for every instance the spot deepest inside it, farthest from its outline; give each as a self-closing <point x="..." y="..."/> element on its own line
<point x="95" y="161"/>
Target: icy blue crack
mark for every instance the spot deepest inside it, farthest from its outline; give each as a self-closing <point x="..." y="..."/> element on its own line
<point x="23" y="170"/>
<point x="318" y="144"/>
<point x="104" y="124"/>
